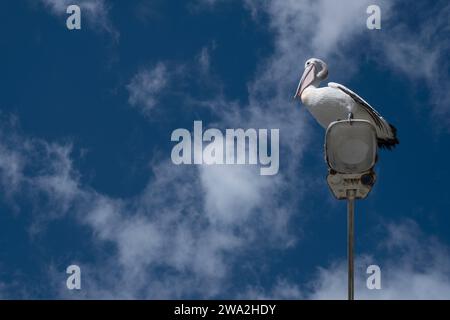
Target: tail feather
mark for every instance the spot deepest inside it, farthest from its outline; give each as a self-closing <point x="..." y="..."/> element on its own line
<point x="389" y="143"/>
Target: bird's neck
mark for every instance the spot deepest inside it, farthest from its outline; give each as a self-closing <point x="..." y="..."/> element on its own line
<point x="309" y="92"/>
<point x="315" y="84"/>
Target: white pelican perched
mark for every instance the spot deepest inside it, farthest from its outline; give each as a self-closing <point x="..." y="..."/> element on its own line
<point x="336" y="102"/>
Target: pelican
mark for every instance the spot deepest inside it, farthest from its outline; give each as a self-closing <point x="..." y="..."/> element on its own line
<point x="336" y="102"/>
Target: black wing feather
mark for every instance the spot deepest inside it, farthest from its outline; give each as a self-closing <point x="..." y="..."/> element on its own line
<point x="384" y="143"/>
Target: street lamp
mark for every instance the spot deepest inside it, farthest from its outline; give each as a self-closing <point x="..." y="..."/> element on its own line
<point x="351" y="153"/>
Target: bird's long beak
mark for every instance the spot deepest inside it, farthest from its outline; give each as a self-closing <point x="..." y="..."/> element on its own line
<point x="306" y="80"/>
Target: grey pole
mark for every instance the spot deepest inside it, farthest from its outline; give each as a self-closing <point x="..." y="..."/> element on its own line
<point x="350" y="238"/>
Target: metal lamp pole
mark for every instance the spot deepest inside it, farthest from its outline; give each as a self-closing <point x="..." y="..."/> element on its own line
<point x="350" y="173"/>
<point x="350" y="242"/>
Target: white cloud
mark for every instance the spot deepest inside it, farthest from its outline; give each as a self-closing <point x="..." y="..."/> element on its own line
<point x="146" y="86"/>
<point x="204" y="59"/>
<point x="18" y="155"/>
<point x="192" y="223"/>
<point x="150" y="85"/>
<point x="232" y="192"/>
<point x="167" y="227"/>
<point x="11" y="165"/>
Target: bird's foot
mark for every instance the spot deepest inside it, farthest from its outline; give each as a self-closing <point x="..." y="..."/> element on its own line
<point x="350" y="117"/>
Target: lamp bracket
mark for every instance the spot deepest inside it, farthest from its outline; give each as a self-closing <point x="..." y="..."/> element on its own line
<point x="341" y="183"/>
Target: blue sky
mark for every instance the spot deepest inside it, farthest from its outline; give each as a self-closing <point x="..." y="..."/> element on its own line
<point x="86" y="176"/>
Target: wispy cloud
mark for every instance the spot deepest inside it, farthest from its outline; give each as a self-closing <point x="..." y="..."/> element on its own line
<point x="151" y="84"/>
<point x="146" y="86"/>
<point x="172" y="233"/>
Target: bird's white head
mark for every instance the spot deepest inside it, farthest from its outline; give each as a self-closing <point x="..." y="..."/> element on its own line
<point x="315" y="71"/>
